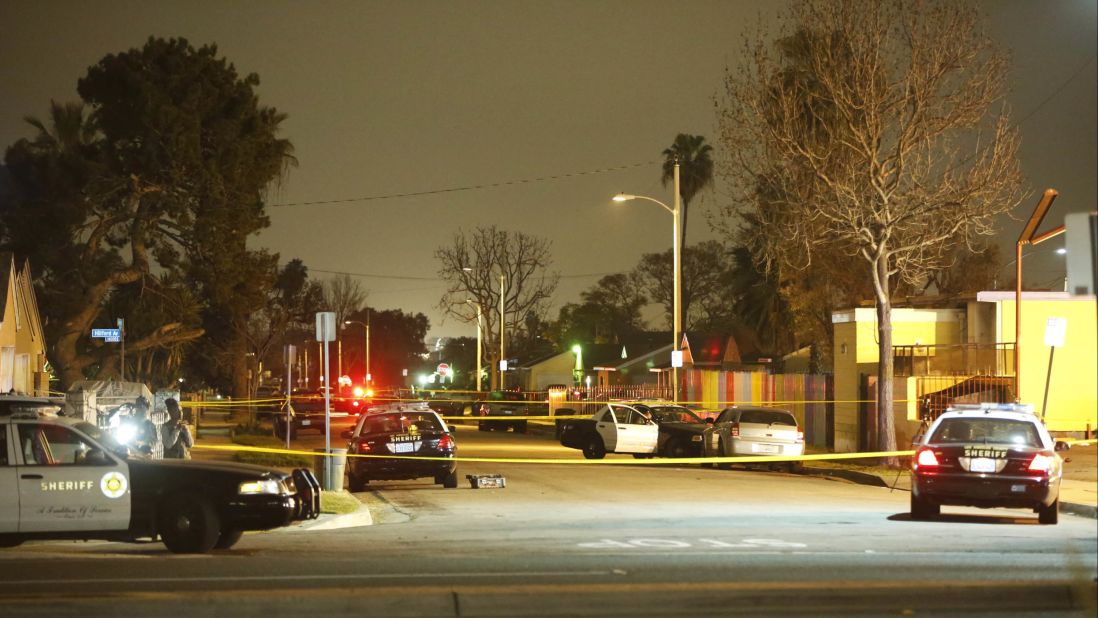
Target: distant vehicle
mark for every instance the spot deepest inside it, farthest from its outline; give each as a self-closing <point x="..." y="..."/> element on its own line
<point x="757" y="432"/>
<point x="682" y="432"/>
<point x="59" y="466"/>
<point x="447" y="403"/>
<point x="987" y="455"/>
<point x="616" y="428"/>
<point x="502" y="404"/>
<point x="307" y="411"/>
<point x="409" y="433"/>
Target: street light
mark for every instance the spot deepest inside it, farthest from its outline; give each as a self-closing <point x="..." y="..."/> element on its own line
<point x="478" y="339"/>
<point x="676" y="252"/>
<point x="366" y="325"/>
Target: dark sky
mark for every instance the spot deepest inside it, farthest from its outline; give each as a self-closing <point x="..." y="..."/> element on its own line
<point x="402" y="97"/>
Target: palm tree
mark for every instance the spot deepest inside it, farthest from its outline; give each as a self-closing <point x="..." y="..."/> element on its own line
<point x="68" y="131"/>
<point x="695" y="169"/>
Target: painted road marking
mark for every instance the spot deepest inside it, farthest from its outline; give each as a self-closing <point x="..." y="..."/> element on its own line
<point x="306" y="577"/>
<point x="680" y="544"/>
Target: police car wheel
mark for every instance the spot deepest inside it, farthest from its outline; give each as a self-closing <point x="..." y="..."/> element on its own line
<point x="1049" y="515"/>
<point x="594" y="448"/>
<point x="723" y="452"/>
<point x="520" y="427"/>
<point x="228" y="538"/>
<point x="450" y="481"/>
<point x="921" y="509"/>
<point x="189" y="524"/>
<point x="356" y="483"/>
<point x="10" y="541"/>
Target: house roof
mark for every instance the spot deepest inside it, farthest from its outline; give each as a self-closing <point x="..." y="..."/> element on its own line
<point x="715" y="349"/>
<point x="7" y="269"/>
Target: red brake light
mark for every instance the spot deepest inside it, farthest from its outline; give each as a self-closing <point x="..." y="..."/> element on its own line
<point x="800" y="434"/>
<point x="446" y="443"/>
<point x="735" y="430"/>
<point x="1041" y="463"/>
<point x="355" y="403"/>
<point x="926" y="459"/>
<point x="363" y="447"/>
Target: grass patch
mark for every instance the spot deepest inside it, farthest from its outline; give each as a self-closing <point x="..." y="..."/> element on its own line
<point x="275" y="460"/>
<point x="338" y="502"/>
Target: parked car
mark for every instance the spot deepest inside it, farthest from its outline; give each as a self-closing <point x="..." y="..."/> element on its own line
<point x="53" y="468"/>
<point x="409" y="432"/>
<point x="505" y="411"/>
<point x="740" y="431"/>
<point x="447" y="403"/>
<point x="307" y="412"/>
<point x="987" y="455"/>
<point x="616" y="428"/>
<point x="682" y="432"/>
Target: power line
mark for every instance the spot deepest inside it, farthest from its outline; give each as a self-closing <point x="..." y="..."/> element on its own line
<point x="410" y="278"/>
<point x="493" y="185"/>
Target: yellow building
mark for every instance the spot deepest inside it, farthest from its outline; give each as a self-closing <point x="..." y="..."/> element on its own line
<point x="966" y="354"/>
<point x="22" y="344"/>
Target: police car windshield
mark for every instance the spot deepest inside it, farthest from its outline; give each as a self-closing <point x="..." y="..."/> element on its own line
<point x="986" y="431"/>
<point x="102" y="437"/>
<point x="674" y="414"/>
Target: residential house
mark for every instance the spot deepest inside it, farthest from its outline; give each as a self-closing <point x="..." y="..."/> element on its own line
<point x="22" y="343"/>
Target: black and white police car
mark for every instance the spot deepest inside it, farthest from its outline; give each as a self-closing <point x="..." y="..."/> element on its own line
<point x="64" y="478"/>
<point x="987" y="455"/>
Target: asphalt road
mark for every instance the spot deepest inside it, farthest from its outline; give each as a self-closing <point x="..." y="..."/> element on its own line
<point x="591" y="540"/>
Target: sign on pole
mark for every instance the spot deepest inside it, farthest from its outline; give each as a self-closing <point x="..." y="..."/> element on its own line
<point x="106" y="332"/>
<point x="1055" y="331"/>
<point x="676" y="358"/>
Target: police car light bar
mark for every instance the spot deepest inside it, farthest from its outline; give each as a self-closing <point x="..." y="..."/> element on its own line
<point x="1021" y="408"/>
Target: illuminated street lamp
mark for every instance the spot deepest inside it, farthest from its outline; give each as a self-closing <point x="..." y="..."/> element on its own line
<point x="366" y="325"/>
<point x="676" y="269"/>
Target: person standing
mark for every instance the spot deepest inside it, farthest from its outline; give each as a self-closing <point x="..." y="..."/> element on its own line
<point x="174" y="434"/>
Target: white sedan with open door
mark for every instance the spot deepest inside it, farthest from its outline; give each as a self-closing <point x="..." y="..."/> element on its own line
<point x="616" y="428"/>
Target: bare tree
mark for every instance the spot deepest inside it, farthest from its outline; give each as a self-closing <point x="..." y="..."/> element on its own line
<point x="472" y="265"/>
<point x="877" y="130"/>
<point x="344" y="296"/>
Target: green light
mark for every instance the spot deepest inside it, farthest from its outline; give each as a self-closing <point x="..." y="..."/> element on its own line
<point x="576" y="349"/>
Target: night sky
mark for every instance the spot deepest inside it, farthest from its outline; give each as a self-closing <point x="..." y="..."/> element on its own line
<point x="390" y="98"/>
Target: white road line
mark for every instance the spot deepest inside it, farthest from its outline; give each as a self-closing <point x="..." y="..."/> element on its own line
<point x="336" y="577"/>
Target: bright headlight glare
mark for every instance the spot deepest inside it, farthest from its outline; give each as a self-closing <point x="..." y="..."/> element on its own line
<point x="125" y="433"/>
<point x="266" y="486"/>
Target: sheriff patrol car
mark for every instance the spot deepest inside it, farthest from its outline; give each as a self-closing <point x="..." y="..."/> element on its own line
<point x="987" y="455"/>
<point x="63" y="478"/>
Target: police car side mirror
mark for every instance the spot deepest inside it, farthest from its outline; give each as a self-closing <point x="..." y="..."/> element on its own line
<point x="347" y="434"/>
<point x="1062" y="446"/>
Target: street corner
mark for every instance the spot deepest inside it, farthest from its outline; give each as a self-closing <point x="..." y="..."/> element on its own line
<point x="349" y="512"/>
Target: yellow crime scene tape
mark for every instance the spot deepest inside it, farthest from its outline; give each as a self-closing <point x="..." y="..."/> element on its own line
<point x="596" y="462"/>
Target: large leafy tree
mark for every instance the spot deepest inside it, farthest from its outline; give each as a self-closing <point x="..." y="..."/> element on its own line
<point x="695" y="161"/>
<point x="396" y="344"/>
<point x="883" y="137"/>
<point x="472" y="264"/>
<point x="610" y="312"/>
<point x="706" y="284"/>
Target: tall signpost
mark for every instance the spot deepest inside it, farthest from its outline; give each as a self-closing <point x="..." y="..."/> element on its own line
<point x="291" y="358"/>
<point x="325" y="333"/>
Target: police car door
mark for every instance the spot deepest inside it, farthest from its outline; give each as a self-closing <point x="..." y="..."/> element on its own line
<point x="606" y="426"/>
<point x="9" y="492"/>
<point x="67" y="482"/>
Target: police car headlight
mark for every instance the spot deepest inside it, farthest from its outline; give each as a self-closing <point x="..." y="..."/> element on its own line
<point x="266" y="486"/>
<point x="125" y="433"/>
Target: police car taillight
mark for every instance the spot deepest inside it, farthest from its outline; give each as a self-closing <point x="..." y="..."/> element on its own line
<point x="363" y="447"/>
<point x="925" y="458"/>
<point x="1041" y="463"/>
<point x="735" y="430"/>
<point x="446" y="443"/>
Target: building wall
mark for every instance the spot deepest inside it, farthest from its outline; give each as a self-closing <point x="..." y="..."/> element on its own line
<point x="1073" y="395"/>
<point x="857" y="354"/>
<point x="22" y="347"/>
<point x="554" y="370"/>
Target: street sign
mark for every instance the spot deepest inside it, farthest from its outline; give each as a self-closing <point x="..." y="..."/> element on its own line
<point x="325" y="326"/>
<point x="1055" y="332"/>
<point x="107" y="332"/>
<point x="112" y="339"/>
<point x="676" y="358"/>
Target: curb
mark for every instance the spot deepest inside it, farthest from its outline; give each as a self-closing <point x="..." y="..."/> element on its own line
<point x="1081" y="510"/>
<point x="328" y="521"/>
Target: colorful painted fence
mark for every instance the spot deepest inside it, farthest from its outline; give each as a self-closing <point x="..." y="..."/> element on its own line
<point x="807" y="396"/>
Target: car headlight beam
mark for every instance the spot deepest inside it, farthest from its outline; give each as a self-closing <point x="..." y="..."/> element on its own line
<point x="260" y="487"/>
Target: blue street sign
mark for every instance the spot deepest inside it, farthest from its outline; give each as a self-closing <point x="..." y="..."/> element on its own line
<point x="106" y="332"/>
<point x="112" y="339"/>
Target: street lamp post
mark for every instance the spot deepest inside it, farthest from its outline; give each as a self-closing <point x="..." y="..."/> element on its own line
<point x="676" y="266"/>
<point x="479" y="327"/>
<point x="502" y="375"/>
<point x="365" y="325"/>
